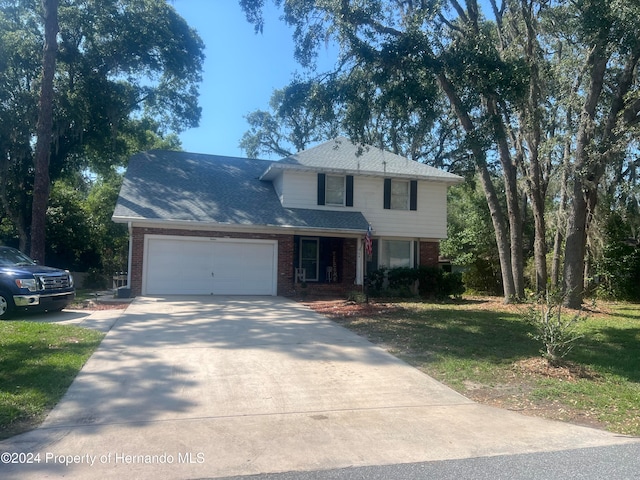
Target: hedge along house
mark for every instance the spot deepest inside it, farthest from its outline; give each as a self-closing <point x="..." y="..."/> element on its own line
<point x="213" y="225"/>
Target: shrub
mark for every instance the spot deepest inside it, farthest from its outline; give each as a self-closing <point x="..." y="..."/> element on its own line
<point x="376" y="281"/>
<point x="429" y="279"/>
<point x="452" y="284"/>
<point x="556" y="331"/>
<point x="400" y="282"/>
<point x="95" y="279"/>
<point x="357" y="297"/>
<point x="484" y="276"/>
<point x="401" y="278"/>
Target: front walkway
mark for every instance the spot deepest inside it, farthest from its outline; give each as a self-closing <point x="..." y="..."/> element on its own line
<point x="193" y="387"/>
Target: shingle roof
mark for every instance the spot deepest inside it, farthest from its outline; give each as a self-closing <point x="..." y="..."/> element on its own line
<point x="168" y="186"/>
<point x="340" y="154"/>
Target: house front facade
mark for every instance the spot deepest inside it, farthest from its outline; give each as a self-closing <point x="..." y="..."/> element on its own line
<point x="316" y="221"/>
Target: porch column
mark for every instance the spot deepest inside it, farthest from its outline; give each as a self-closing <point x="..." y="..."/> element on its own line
<point x="360" y="262"/>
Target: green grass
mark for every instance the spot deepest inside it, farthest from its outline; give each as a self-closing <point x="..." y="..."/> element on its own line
<point x="475" y="346"/>
<point x="38" y="362"/>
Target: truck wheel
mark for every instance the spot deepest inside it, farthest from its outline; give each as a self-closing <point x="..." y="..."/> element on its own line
<point x="6" y="305"/>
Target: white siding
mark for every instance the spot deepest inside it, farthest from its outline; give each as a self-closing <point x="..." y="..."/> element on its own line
<point x="299" y="190"/>
<point x="428" y="221"/>
<point x="278" y="187"/>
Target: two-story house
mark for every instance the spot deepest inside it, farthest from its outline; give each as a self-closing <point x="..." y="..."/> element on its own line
<point x="322" y="218"/>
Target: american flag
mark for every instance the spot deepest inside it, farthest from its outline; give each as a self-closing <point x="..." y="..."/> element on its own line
<point x="368" y="242"/>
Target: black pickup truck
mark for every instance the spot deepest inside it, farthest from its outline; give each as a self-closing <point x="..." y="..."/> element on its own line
<point x="25" y="285"/>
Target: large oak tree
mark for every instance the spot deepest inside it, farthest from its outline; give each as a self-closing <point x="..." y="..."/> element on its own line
<point x="124" y="71"/>
<point x="505" y="76"/>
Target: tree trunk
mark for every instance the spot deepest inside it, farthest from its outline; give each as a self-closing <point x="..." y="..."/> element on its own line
<point x="499" y="227"/>
<point x="510" y="178"/>
<point x="591" y="163"/>
<point x="536" y="178"/>
<point x="44" y="131"/>
<point x="577" y="222"/>
<point x="540" y="247"/>
<point x="561" y="223"/>
<point x="575" y="247"/>
<point x="497" y="216"/>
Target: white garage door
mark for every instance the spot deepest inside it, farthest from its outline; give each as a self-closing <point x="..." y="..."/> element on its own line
<point x="204" y="266"/>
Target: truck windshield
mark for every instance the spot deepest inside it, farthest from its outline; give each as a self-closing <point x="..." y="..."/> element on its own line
<point x="10" y="257"/>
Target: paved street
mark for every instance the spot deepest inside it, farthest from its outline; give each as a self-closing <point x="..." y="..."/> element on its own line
<point x="619" y="462"/>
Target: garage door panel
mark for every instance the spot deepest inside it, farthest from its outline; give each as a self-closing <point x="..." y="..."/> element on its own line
<point x="212" y="266"/>
<point x="240" y="267"/>
<point x="179" y="267"/>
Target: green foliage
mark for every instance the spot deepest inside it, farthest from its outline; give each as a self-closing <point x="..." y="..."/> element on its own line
<point x="555" y="330"/>
<point x="110" y="240"/>
<point x="452" y="285"/>
<point x="432" y="282"/>
<point x="436" y="283"/>
<point x="300" y="113"/>
<point x="127" y="75"/>
<point x="470" y="241"/>
<point x="507" y="75"/>
<point x="618" y="271"/>
<point x="401" y="277"/>
<point x="81" y="235"/>
<point x="376" y="281"/>
<point x="392" y="282"/>
<point x="429" y="282"/>
<point x="357" y="297"/>
<point x="95" y="280"/>
<point x="69" y="235"/>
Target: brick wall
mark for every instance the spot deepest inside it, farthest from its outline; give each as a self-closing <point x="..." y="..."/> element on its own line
<point x="285" y="253"/>
<point x="349" y="256"/>
<point x="429" y="253"/>
<point x="286" y="285"/>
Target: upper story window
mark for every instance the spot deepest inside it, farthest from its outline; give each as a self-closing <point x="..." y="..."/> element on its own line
<point x="335" y="190"/>
<point x="400" y="194"/>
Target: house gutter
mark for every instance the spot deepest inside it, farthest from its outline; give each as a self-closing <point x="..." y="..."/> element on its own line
<point x="234" y="227"/>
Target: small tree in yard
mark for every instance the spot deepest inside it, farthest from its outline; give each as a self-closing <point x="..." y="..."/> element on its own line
<point x="556" y="331"/>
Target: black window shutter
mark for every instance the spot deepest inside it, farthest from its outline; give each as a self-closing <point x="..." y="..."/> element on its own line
<point x="349" y="195"/>
<point x="413" y="195"/>
<point x="321" y="185"/>
<point x="387" y="193"/>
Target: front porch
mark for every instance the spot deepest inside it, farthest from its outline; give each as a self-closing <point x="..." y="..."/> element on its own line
<point x="336" y="266"/>
<point x="325" y="266"/>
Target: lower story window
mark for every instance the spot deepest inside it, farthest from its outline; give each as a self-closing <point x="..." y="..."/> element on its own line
<point x="309" y="258"/>
<point x="395" y="253"/>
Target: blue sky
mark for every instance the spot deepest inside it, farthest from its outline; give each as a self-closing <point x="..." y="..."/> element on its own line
<point x="241" y="70"/>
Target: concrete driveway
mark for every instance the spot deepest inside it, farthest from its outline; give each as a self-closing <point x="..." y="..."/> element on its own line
<point x="193" y="387"/>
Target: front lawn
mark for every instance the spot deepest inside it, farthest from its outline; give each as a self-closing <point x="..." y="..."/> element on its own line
<point x="38" y="362"/>
<point x="484" y="350"/>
